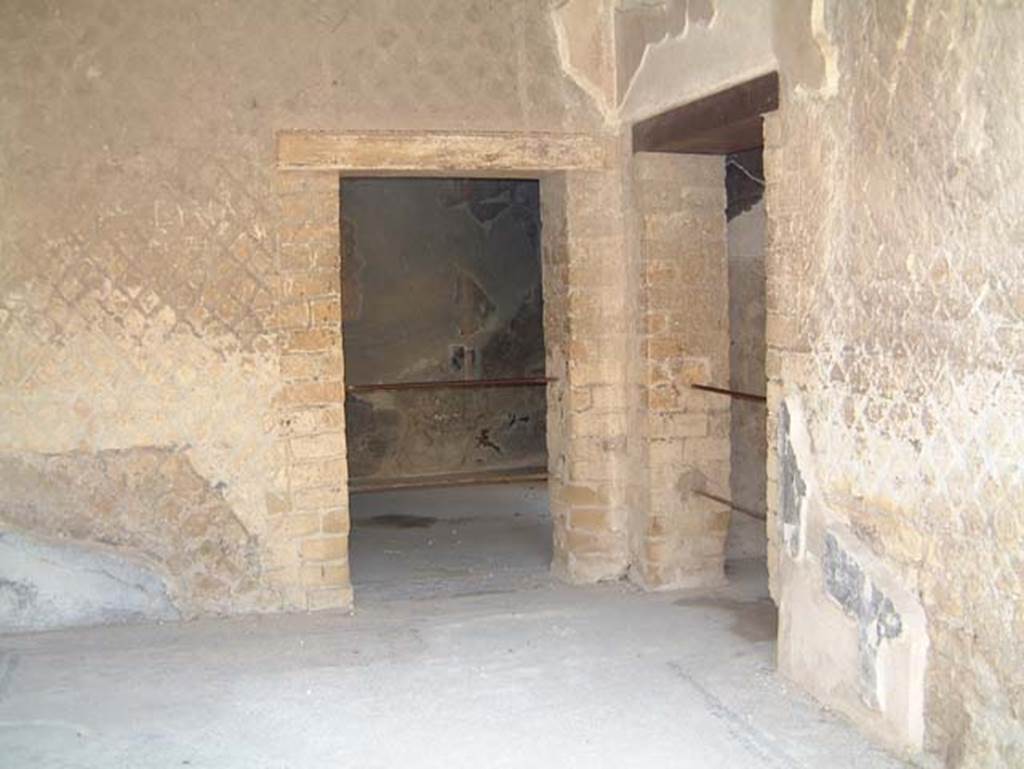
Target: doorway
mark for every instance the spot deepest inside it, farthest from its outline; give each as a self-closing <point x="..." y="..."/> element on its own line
<point x="701" y="189"/>
<point x="748" y="442"/>
<point x="446" y="389"/>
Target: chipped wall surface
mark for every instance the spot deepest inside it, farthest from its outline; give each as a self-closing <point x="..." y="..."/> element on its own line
<point x="162" y="289"/>
<point x="896" y="346"/>
<point x="586" y="48"/>
<point x="48" y="583"/>
<point x="148" y="501"/>
<point x="442" y="281"/>
<point x="849" y="631"/>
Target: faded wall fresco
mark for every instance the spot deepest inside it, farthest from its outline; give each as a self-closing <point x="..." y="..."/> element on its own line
<point x="442" y="281"/>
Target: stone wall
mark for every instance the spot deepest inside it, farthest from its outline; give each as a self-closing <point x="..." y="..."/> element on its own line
<point x="685" y="340"/>
<point x="165" y="292"/>
<point x="589" y="334"/>
<point x="442" y="281"/>
<point x="896" y="341"/>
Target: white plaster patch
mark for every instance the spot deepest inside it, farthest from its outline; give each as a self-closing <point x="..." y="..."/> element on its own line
<point x="573" y="46"/>
<point x="734" y="46"/>
<point x="850" y="631"/>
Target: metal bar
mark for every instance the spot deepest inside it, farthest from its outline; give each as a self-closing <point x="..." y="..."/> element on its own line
<point x="452" y="383"/>
<point x="733" y="505"/>
<point x="731" y="393"/>
<point x="423" y="482"/>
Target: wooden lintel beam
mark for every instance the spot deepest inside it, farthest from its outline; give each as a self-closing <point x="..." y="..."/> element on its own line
<point x="724" y="122"/>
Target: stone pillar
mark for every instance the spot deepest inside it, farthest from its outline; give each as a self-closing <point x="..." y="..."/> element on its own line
<point x="685" y="340"/>
<point x="307" y="537"/>
<point x="587" y="324"/>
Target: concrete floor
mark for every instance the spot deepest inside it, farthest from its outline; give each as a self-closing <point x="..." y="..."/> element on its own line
<point x="423" y="543"/>
<point x="481" y="661"/>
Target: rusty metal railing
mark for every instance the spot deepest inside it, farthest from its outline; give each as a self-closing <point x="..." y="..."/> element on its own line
<point x="731" y="393"/>
<point x="729" y="503"/>
<point x="530" y="381"/>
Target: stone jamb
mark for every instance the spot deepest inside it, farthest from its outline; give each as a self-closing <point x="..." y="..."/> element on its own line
<point x="307" y="548"/>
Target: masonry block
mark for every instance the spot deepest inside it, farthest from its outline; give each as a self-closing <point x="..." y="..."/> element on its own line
<point x="686" y="298"/>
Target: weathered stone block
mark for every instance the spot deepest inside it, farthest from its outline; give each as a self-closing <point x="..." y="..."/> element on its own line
<point x="328" y="472"/>
<point x="315" y="575"/>
<point x="329" y="598"/>
<point x="314" y="446"/>
<point x="312" y="340"/>
<point x="311" y="393"/>
<point x="326" y="548"/>
<point x="325" y="312"/>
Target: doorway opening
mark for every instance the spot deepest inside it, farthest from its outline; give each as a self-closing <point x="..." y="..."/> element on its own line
<point x="722" y="266"/>
<point x="748" y="442"/>
<point x="446" y="390"/>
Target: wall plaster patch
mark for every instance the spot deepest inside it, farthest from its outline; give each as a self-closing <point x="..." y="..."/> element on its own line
<point x="876" y="616"/>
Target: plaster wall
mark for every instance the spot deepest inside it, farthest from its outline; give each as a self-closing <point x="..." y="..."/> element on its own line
<point x="677" y="51"/>
<point x="895" y="349"/>
<point x="165" y="293"/>
<point x="893" y="360"/>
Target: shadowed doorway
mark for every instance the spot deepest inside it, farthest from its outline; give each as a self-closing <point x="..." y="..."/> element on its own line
<point x="444" y="358"/>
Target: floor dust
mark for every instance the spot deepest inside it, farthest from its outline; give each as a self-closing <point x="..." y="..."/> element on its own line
<point x="755" y="621"/>
<point x="489" y="662"/>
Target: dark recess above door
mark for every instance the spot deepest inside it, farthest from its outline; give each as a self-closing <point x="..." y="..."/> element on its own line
<point x="725" y="122"/>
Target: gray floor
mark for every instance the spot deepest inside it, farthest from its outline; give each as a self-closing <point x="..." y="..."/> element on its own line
<point x="478" y="660"/>
<point x="421" y="543"/>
